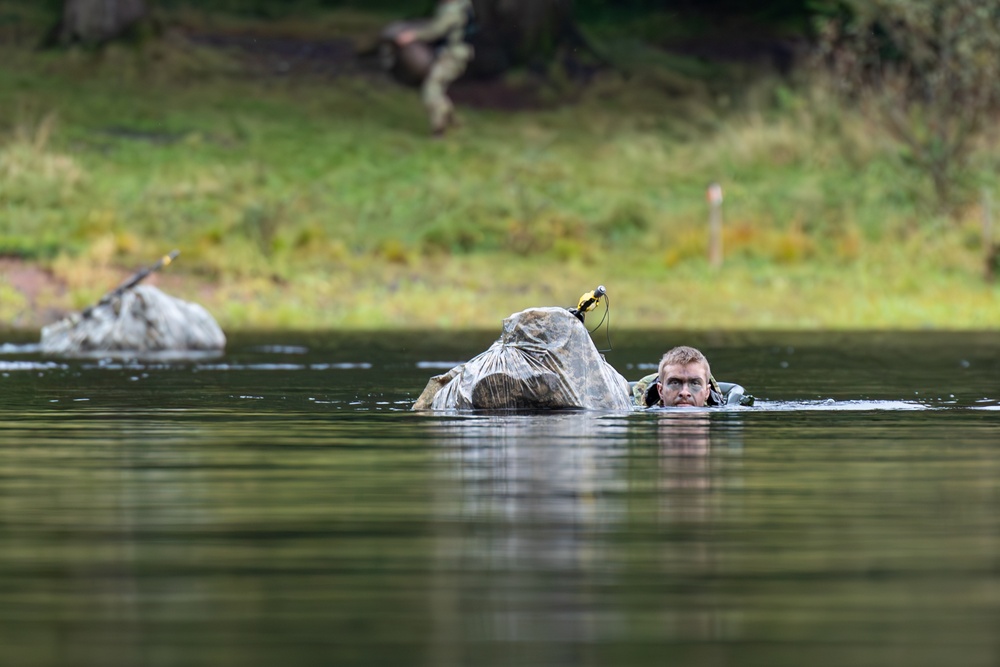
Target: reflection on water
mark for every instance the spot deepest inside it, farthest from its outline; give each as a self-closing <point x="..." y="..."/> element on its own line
<point x="579" y="516"/>
<point x="281" y="505"/>
<point x="531" y="507"/>
<point x="574" y="507"/>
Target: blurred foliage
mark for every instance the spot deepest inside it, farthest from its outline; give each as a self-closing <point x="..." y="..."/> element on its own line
<point x="926" y="71"/>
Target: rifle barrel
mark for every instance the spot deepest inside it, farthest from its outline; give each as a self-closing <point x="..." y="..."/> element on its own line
<point x="132" y="281"/>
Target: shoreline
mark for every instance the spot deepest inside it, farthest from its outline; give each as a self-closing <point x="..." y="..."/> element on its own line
<point x="469" y="293"/>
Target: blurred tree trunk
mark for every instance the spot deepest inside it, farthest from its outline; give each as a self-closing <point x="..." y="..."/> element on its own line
<point x="96" y="21"/>
<point x="513" y="32"/>
<point x="529" y="26"/>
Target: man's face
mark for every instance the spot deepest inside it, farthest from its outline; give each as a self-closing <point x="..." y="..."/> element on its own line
<point x="684" y="386"/>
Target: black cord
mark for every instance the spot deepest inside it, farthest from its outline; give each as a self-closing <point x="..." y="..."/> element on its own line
<point x="607" y="316"/>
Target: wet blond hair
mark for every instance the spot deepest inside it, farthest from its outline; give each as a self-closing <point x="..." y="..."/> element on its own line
<point x="683" y="355"/>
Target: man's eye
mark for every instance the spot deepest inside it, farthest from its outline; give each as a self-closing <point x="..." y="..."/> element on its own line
<point x="693" y="385"/>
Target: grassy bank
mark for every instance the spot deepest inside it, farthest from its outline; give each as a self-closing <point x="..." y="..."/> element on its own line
<point x="315" y="200"/>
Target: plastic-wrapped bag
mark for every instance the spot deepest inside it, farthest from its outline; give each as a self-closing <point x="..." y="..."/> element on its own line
<point x="544" y="359"/>
<point x="139" y="320"/>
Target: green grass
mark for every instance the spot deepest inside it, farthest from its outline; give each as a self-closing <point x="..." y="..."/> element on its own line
<point x="310" y="203"/>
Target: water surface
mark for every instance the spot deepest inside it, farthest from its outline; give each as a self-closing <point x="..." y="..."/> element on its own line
<point x="281" y="505"/>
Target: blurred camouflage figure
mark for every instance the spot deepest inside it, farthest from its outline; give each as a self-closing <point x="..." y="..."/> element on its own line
<point x="448" y="27"/>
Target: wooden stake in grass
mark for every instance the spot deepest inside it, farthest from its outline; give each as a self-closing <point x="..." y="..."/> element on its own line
<point x="990" y="250"/>
<point x="714" y="195"/>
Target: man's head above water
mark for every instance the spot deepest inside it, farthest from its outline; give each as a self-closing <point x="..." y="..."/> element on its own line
<point x="684" y="376"/>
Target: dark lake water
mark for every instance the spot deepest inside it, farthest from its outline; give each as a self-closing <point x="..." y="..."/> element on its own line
<point x="280" y="505"/>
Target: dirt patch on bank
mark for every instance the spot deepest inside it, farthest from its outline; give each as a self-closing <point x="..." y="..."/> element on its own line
<point x="46" y="298"/>
<point x="40" y="290"/>
<point x="278" y="56"/>
<point x="284" y="57"/>
<point x="29" y="279"/>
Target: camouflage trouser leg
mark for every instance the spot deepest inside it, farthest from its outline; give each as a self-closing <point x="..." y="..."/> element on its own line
<point x="446" y="69"/>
